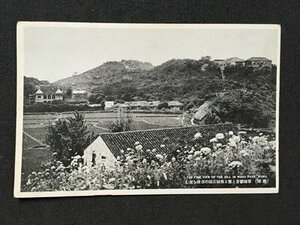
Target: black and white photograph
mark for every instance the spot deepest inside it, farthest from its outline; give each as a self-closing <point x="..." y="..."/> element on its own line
<point x="146" y="109"/>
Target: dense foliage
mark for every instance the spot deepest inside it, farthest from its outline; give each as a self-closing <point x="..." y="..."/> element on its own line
<point x="68" y="137"/>
<point x="247" y="161"/>
<point x="122" y="123"/>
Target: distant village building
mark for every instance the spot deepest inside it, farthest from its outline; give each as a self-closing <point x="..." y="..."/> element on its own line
<point x="220" y="62"/>
<point x="234" y="61"/>
<point x="108" y="105"/>
<point x="240" y="63"/>
<point x="108" y="147"/>
<point x="258" y="62"/>
<point x="47" y="94"/>
<point x="78" y="97"/>
<point x="175" y="105"/>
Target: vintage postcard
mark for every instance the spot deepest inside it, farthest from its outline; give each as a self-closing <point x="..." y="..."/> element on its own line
<point x="143" y="109"/>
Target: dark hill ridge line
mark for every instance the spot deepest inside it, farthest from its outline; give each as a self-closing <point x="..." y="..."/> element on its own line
<point x="175" y="79"/>
<point x="108" y="68"/>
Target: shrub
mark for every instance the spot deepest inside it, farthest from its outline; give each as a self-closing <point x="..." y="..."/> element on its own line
<point x="226" y="154"/>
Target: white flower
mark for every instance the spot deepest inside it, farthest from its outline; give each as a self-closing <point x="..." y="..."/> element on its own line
<point x="178" y="150"/>
<point x="205" y="150"/>
<point x="244" y="153"/>
<point x="220" y="136"/>
<point x="213" y="140"/>
<point x="234" y="164"/>
<point x="197" y="135"/>
<point x="173" y="159"/>
<point x="159" y="156"/>
<point x="138" y="147"/>
<point x="118" y="157"/>
<point x="230" y="133"/>
<point x="137" y="143"/>
<point x="242" y="132"/>
<point x="162" y="146"/>
<point x="148" y="150"/>
<point x="219" y="145"/>
<point x="198" y="159"/>
<point x="154" y="150"/>
<point x="255" y="139"/>
<point x="197" y="153"/>
<point x="232" y="144"/>
<point x="260" y="134"/>
<point x="190" y="157"/>
<point x="236" y="139"/>
<point x="122" y="151"/>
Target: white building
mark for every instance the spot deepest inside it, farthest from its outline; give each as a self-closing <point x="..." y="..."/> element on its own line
<point x="48" y="94"/>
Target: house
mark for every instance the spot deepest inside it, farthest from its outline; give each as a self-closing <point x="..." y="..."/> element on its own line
<point x="108" y="105"/>
<point x="78" y="96"/>
<point x="154" y="104"/>
<point x="47" y="93"/>
<point x="108" y="147"/>
<point x="175" y="105"/>
<point x="122" y="105"/>
<point x="258" y="62"/>
<point x="138" y="104"/>
<point x="220" y="62"/>
<point x="233" y="61"/>
<point x="240" y="63"/>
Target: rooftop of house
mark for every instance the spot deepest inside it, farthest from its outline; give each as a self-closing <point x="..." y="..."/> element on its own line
<point x="76" y="92"/>
<point x="234" y="59"/>
<point x="219" y="60"/>
<point x="258" y="59"/>
<point x="155" y="138"/>
<point x="175" y="103"/>
<point x="48" y="90"/>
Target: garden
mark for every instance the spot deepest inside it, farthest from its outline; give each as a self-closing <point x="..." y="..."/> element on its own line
<point x="229" y="159"/>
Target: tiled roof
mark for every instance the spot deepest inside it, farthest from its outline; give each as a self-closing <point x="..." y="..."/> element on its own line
<point x="48" y="90"/>
<point x="153" y="139"/>
<point x="258" y="59"/>
<point x="175" y="103"/>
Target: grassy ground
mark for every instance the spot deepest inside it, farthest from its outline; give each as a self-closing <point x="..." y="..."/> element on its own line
<point x="36" y="126"/>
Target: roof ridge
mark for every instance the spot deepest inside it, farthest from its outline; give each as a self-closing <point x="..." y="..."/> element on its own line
<point x="165" y="128"/>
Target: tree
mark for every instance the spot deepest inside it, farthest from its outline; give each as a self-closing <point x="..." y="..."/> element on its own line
<point x="163" y="105"/>
<point x="69" y="137"/>
<point x="122" y="123"/>
<point x="69" y="92"/>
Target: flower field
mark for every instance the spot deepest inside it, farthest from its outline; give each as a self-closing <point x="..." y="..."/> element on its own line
<point x="235" y="158"/>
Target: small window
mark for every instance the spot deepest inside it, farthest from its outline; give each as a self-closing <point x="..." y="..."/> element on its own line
<point x="39" y="96"/>
<point x="53" y="96"/>
<point x="45" y="96"/>
<point x="49" y="96"/>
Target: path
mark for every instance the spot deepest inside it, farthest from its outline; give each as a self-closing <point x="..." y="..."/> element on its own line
<point x="36" y="140"/>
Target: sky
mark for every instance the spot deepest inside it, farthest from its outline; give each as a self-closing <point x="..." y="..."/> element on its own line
<point x="55" y="52"/>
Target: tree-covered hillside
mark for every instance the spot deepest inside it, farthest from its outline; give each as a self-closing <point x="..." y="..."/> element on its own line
<point x="245" y="95"/>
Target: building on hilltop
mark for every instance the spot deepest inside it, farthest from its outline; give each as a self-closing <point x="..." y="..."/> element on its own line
<point x="175" y="105"/>
<point x="234" y="61"/>
<point x="47" y="93"/>
<point x="220" y="62"/>
<point x="258" y="62"/>
<point x="108" y="105"/>
<point x="107" y="147"/>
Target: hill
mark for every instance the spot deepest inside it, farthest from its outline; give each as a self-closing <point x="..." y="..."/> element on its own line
<point x="31" y="85"/>
<point x="106" y="73"/>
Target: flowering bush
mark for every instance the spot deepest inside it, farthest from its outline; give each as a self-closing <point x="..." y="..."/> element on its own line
<point x="226" y="154"/>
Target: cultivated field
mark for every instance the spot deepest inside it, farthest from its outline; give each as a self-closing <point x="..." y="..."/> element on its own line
<point x="35" y="131"/>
